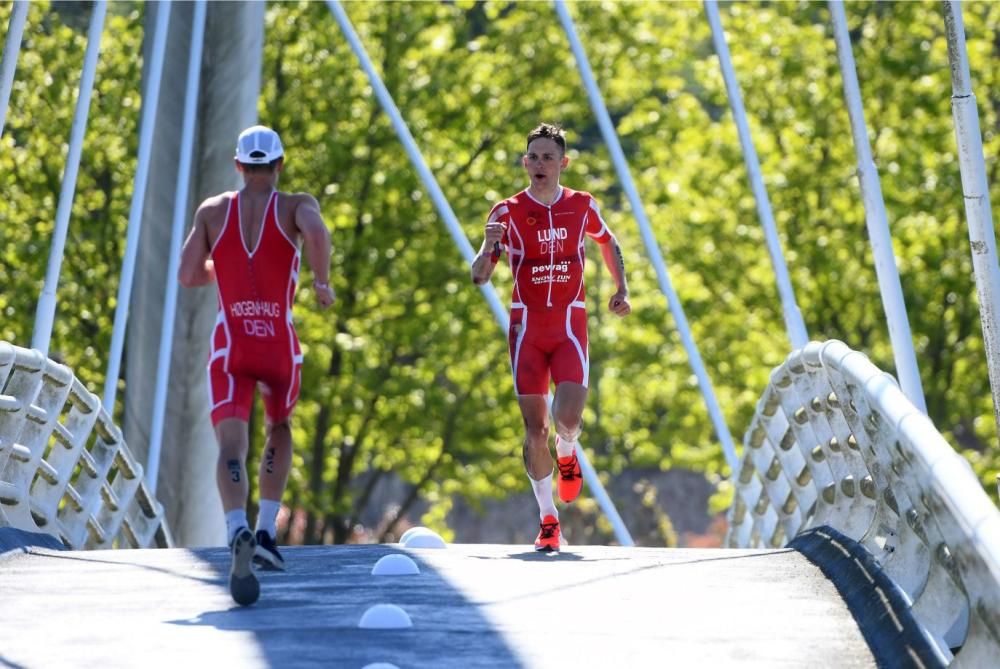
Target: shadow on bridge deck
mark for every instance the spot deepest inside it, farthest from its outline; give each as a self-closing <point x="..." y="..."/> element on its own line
<point x="471" y="606"/>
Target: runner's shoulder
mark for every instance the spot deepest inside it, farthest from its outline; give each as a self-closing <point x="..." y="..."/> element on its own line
<point x="569" y="194"/>
<point x="215" y="206"/>
<point x="517" y="198"/>
<point x="502" y="206"/>
<point x="297" y="199"/>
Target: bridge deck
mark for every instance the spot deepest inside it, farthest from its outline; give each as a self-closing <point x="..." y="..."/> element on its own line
<point x="471" y="606"/>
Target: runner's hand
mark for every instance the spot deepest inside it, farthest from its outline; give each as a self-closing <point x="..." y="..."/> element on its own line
<point x="618" y="304"/>
<point x="324" y="294"/>
<point x="494" y="233"/>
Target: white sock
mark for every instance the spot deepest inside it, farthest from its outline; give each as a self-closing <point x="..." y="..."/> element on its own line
<point x="235" y="519"/>
<point x="564" y="449"/>
<point x="543" y="493"/>
<point x="267" y="517"/>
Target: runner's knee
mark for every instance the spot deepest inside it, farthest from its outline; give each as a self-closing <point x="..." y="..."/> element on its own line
<point x="568" y="425"/>
<point x="279" y="441"/>
<point x="279" y="428"/>
<point x="232" y="446"/>
<point x="568" y="433"/>
<point x="536" y="433"/>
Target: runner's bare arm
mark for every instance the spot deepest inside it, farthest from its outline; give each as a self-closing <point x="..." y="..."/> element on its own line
<point x="612" y="254"/>
<point x="316" y="239"/>
<point x="485" y="262"/>
<point x="196" y="266"/>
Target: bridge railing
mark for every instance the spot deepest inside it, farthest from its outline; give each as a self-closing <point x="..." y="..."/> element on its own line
<point x="65" y="469"/>
<point x="834" y="442"/>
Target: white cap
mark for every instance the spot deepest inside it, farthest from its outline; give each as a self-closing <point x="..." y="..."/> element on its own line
<point x="258" y="145"/>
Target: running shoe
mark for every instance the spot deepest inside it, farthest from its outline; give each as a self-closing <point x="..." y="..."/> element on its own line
<point x="266" y="555"/>
<point x="570" y="477"/>
<point x="243" y="585"/>
<point x="548" y="536"/>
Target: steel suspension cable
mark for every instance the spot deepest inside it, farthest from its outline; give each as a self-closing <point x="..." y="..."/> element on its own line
<point x="46" y="310"/>
<point x="180" y="217"/>
<point x="878" y="225"/>
<point x="652" y="248"/>
<point x="150" y="102"/>
<point x="11" y="49"/>
<point x="794" y="323"/>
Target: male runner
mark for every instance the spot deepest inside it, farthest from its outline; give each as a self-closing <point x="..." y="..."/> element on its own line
<point x="542" y="228"/>
<point x="248" y="243"/>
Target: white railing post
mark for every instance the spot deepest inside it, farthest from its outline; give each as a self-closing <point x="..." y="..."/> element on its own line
<point x="46" y="311"/>
<point x="64" y="468"/>
<point x="977" y="194"/>
<point x="834" y="443"/>
<point x="878" y="226"/>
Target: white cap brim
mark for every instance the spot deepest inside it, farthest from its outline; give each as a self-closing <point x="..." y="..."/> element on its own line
<point x="258" y="145"/>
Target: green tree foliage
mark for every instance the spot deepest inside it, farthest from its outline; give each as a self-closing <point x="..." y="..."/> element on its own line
<point x="408" y="375"/>
<point x="33" y="154"/>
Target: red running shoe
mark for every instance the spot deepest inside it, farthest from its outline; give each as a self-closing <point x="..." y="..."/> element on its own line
<point x="548" y="536"/>
<point x="570" y="477"/>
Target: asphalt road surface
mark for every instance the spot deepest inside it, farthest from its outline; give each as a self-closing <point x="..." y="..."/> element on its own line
<point x="470" y="606"/>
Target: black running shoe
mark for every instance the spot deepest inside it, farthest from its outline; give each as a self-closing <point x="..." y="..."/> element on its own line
<point x="266" y="555"/>
<point x="243" y="585"/>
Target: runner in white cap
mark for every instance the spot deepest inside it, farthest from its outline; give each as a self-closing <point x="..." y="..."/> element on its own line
<point x="248" y="243"/>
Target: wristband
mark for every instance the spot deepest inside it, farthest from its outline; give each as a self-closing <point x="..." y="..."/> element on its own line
<point x="320" y="284"/>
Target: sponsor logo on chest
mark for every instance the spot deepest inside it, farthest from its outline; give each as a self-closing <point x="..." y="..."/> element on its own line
<point x="552" y="240"/>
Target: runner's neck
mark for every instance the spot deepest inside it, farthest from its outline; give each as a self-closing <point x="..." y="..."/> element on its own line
<point x="546" y="197"/>
<point x="257" y="191"/>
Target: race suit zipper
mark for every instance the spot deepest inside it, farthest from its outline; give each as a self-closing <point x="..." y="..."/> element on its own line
<point x="552" y="255"/>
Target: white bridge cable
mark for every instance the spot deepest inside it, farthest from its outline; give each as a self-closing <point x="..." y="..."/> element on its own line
<point x="177" y="233"/>
<point x="976" y="189"/>
<point x="652" y="248"/>
<point x="796" y="326"/>
<point x="450" y="220"/>
<point x="46" y="311"/>
<point x="11" y="49"/>
<point x="150" y="102"/>
<point x="399" y="125"/>
<point x="878" y="227"/>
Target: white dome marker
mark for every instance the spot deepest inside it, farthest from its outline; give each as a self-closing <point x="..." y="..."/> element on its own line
<point x="425" y="539"/>
<point x="385" y="617"/>
<point x="410" y="532"/>
<point x="395" y="564"/>
<point x="380" y="665"/>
